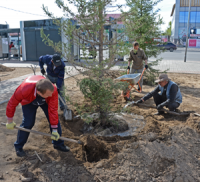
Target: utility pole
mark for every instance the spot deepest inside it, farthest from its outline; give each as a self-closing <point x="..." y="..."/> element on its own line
<point x="187" y="31"/>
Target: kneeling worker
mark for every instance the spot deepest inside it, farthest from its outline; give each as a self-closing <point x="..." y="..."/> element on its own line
<point x="169" y="96"/>
<point x="35" y="91"/>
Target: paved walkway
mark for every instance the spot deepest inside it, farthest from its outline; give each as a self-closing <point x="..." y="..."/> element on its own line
<point x="171" y="65"/>
<point x="8" y="87"/>
<point x="179" y="67"/>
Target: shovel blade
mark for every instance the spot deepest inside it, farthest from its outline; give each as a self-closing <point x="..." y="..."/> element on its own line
<point x="129" y="104"/>
<point x="67" y="114"/>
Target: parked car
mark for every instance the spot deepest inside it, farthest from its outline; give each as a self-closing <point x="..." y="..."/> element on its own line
<point x="167" y="46"/>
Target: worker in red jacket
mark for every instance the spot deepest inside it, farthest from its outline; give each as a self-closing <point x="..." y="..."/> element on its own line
<point x="35" y="91"/>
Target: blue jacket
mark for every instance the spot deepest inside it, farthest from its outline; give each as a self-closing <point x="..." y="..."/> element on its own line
<point x="178" y="95"/>
<point x="57" y="72"/>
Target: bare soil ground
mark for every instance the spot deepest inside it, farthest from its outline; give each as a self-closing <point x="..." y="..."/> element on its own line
<point x="8" y="73"/>
<point x="166" y="150"/>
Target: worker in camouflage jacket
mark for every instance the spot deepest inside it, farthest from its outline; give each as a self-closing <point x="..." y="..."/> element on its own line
<point x="135" y="61"/>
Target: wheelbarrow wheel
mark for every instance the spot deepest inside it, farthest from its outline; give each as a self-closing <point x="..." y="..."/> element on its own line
<point x="126" y="95"/>
<point x="127" y="99"/>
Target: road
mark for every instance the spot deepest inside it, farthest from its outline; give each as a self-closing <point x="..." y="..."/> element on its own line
<point x="178" y="55"/>
<point x="173" y="61"/>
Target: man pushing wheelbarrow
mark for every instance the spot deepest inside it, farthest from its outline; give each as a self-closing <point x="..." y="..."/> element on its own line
<point x="137" y="56"/>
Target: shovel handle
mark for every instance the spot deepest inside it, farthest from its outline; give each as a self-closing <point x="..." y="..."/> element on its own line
<point x="58" y="94"/>
<point x="170" y="112"/>
<point x="44" y="134"/>
<point x="62" y="101"/>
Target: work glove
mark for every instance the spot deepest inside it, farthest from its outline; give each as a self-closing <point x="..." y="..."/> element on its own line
<point x="10" y="126"/>
<point x="160" y="106"/>
<point x="55" y="136"/>
<point x="139" y="101"/>
<point x="146" y="66"/>
<point x="43" y="71"/>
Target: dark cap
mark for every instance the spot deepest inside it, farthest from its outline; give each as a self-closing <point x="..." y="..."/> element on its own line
<point x="56" y="60"/>
<point x="135" y="43"/>
<point x="162" y="77"/>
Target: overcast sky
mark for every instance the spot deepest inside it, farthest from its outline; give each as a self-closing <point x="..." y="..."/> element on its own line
<point x="34" y="7"/>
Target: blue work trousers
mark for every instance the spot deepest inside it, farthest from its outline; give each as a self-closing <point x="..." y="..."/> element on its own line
<point x="61" y="90"/>
<point x="29" y="113"/>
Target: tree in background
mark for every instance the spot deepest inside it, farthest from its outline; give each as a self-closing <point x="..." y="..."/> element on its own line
<point x="168" y="32"/>
<point x="143" y="25"/>
<point x="85" y="24"/>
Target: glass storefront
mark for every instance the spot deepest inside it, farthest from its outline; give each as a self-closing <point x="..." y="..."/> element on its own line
<point x="194" y="17"/>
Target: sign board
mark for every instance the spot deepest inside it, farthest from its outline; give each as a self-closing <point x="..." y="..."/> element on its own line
<point x="192" y="42"/>
<point x="198" y="31"/>
<point x="194" y="35"/>
<point x="198" y="43"/>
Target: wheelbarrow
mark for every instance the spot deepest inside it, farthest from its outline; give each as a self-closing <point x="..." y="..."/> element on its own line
<point x="132" y="79"/>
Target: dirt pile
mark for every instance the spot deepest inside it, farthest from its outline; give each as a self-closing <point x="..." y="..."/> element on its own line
<point x="165" y="148"/>
<point x="4" y="68"/>
<point x="156" y="160"/>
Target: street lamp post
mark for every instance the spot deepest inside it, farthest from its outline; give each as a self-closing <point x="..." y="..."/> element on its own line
<point x="187" y="31"/>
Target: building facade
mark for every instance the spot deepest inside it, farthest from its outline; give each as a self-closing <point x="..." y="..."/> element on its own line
<point x="179" y="22"/>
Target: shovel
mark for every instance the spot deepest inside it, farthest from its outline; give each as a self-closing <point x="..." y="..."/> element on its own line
<point x="45" y="134"/>
<point x="67" y="113"/>
<point x="144" y="105"/>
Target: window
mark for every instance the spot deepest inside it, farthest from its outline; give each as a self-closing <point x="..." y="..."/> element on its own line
<point x="181" y="17"/>
<point x="198" y="17"/>
<point x="186" y="17"/>
<point x="193" y="17"/>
